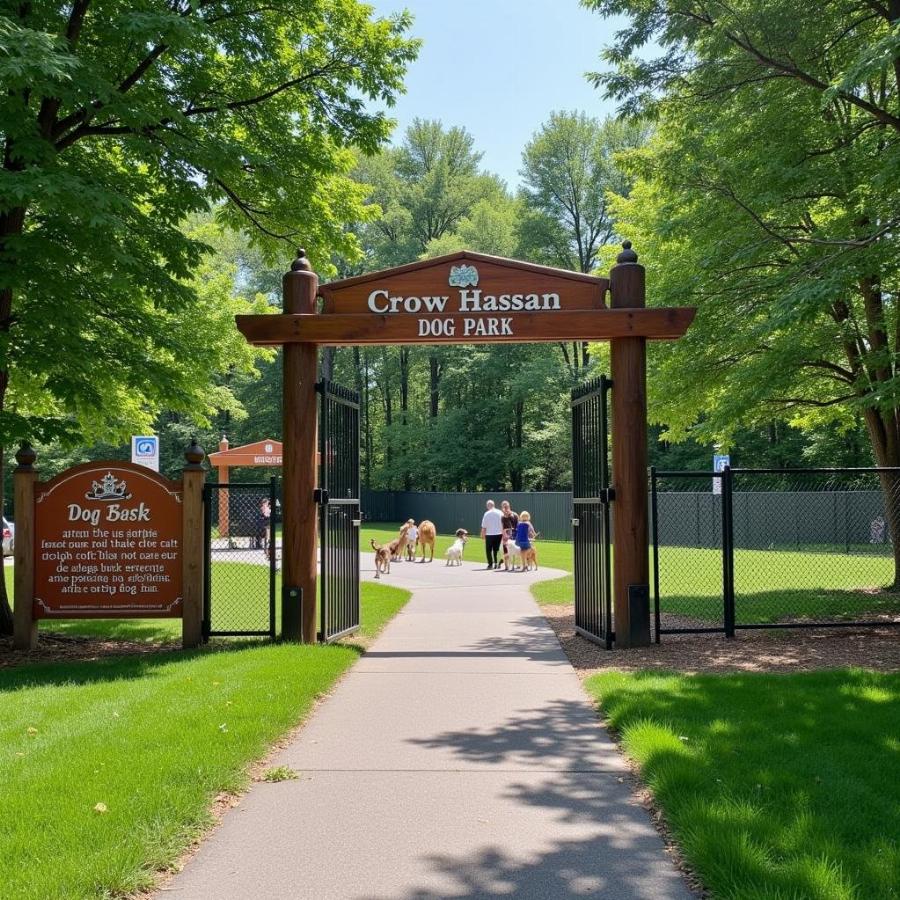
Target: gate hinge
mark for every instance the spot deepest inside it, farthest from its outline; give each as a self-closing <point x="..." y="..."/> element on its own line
<point x="607" y="495"/>
<point x="320" y="496"/>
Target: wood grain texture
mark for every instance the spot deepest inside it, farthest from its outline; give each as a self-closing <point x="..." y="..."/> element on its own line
<point x="192" y="558"/>
<point x="25" y="627"/>
<point x="496" y="275"/>
<point x="628" y="360"/>
<point x="300" y="454"/>
<point x="527" y="327"/>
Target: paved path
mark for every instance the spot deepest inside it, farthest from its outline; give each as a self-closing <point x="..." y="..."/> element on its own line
<point x="459" y="758"/>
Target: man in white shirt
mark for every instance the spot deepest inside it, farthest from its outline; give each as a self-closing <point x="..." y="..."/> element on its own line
<point x="492" y="532"/>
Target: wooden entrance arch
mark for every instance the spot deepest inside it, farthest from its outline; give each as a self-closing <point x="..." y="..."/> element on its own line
<point x="456" y="299"/>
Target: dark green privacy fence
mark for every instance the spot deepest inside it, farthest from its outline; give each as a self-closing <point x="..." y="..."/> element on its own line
<point x="551" y="512"/>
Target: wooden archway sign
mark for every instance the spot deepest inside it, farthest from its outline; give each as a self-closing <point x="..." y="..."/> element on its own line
<point x="456" y="299"/>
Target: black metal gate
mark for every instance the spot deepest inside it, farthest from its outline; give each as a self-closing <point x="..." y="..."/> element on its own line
<point x="241" y="546"/>
<point x="339" y="510"/>
<point x="591" y="496"/>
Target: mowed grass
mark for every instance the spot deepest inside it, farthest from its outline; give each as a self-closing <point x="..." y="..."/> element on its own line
<point x="774" y="786"/>
<point x="240" y="599"/>
<point x="770" y="585"/>
<point x="111" y="767"/>
<point x="153" y="738"/>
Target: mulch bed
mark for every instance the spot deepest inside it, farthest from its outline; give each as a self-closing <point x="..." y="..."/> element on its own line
<point x="789" y="650"/>
<point x="75" y="648"/>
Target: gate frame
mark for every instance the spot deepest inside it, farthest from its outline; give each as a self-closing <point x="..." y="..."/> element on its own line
<point x="330" y="392"/>
<point x="224" y="488"/>
<point x="606" y="495"/>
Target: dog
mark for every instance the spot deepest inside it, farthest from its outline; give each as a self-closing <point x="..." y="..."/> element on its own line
<point x="529" y="558"/>
<point x="398" y="546"/>
<point x="427" y="537"/>
<point x="511" y="552"/>
<point x="454" y="552"/>
<point x="382" y="558"/>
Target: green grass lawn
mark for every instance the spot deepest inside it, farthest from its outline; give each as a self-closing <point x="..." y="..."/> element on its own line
<point x="243" y="591"/>
<point x="770" y="584"/>
<point x="774" y="786"/>
<point x="152" y="738"/>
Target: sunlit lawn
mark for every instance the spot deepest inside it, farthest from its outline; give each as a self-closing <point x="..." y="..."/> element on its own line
<point x="769" y="584"/>
<point x="774" y="786"/>
<point x="110" y="766"/>
<point x="240" y="600"/>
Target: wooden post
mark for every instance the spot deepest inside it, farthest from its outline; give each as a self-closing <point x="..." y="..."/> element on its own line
<point x="629" y="462"/>
<point x="298" y="538"/>
<point x="193" y="476"/>
<point x="25" y="626"/>
<point x="224" y="477"/>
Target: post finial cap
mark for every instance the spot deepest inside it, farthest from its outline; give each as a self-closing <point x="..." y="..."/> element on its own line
<point x="25" y="456"/>
<point x="301" y="263"/>
<point x="627" y="255"/>
<point x="194" y="454"/>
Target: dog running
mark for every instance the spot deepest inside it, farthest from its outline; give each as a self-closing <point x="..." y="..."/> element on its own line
<point x="454" y="552"/>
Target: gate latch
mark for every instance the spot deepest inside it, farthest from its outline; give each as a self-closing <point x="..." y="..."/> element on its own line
<point x="320" y="496"/>
<point x="576" y="522"/>
<point x="607" y="495"/>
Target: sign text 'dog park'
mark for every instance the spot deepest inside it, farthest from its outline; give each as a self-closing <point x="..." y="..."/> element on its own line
<point x="108" y="541"/>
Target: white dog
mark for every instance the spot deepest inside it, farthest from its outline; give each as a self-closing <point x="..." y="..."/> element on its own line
<point x="511" y="552"/>
<point x="454" y="552"/>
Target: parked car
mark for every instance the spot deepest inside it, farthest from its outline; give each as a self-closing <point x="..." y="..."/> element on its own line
<point x="9" y="535"/>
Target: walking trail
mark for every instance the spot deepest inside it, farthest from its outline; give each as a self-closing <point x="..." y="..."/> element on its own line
<point x="460" y="757"/>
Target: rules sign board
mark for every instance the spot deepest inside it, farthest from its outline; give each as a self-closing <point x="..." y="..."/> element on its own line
<point x="108" y="542"/>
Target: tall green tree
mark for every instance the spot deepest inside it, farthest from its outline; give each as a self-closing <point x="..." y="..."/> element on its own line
<point x="770" y="198"/>
<point x="119" y="120"/>
<point x="569" y="172"/>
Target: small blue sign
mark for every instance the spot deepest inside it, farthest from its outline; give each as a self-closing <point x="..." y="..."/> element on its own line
<point x="145" y="450"/>
<point x="720" y="461"/>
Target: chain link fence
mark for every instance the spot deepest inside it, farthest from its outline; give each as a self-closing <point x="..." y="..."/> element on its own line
<point x="775" y="548"/>
<point x="242" y="530"/>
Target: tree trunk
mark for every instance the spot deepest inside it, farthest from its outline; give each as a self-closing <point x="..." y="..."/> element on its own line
<point x="887" y="455"/>
<point x="367" y="423"/>
<point x="6" y="615"/>
<point x="404" y="415"/>
<point x="434" y="384"/>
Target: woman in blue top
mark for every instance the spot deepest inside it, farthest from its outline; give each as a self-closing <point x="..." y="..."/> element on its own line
<point x="525" y="533"/>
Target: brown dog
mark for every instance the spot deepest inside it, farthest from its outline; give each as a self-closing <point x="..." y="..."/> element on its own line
<point x="529" y="559"/>
<point x="382" y="558"/>
<point x="400" y="542"/>
<point x="427" y="537"/>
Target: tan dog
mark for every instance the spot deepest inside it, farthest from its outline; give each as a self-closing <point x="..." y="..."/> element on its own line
<point x="529" y="558"/>
<point x="382" y="558"/>
<point x="427" y="537"/>
<point x="400" y="542"/>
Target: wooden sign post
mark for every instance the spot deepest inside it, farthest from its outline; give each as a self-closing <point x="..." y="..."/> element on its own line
<point x="468" y="298"/>
<point x="108" y="540"/>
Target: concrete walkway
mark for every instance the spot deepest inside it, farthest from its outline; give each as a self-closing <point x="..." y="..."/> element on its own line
<point x="459" y="758"/>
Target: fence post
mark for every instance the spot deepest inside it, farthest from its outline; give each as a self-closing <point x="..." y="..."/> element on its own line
<point x="206" y="625"/>
<point x="728" y="550"/>
<point x="193" y="476"/>
<point x="654" y="524"/>
<point x="25" y="626"/>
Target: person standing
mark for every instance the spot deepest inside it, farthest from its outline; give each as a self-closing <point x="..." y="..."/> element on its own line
<point x="510" y="520"/>
<point x="492" y="532"/>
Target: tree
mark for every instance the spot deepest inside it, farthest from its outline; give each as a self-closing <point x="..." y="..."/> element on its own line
<point x="770" y="198"/>
<point x="569" y="172"/>
<point x="117" y="121"/>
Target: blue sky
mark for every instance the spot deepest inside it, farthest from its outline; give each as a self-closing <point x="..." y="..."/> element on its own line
<point x="499" y="68"/>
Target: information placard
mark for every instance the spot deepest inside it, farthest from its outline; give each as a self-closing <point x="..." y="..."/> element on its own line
<point x="108" y="544"/>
